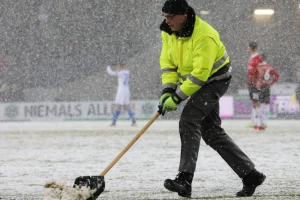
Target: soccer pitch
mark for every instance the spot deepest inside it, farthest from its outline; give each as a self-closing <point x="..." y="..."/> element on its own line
<point x="33" y="153"/>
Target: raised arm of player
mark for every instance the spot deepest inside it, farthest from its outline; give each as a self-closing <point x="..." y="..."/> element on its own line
<point x="111" y="72"/>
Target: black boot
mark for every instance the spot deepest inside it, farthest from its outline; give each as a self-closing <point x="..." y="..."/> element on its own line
<point x="250" y="182"/>
<point x="182" y="184"/>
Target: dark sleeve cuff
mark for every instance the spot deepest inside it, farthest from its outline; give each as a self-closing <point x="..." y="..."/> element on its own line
<point x="168" y="90"/>
<point x="176" y="98"/>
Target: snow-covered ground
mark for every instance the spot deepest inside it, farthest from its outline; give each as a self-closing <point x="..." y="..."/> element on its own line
<point x="33" y="153"/>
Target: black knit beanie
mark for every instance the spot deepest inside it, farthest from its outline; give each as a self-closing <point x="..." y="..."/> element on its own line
<point x="179" y="7"/>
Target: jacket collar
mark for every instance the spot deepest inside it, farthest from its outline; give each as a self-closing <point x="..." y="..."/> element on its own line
<point x="187" y="29"/>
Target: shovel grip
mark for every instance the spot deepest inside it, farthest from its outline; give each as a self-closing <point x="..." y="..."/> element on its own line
<point x="130" y="144"/>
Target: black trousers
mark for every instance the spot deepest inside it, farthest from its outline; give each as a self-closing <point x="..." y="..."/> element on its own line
<point x="265" y="96"/>
<point x="200" y="119"/>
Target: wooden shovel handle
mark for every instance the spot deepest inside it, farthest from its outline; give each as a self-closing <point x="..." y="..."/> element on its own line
<point x="130" y="144"/>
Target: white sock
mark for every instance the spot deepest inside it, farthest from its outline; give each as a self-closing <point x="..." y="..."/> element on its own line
<point x="265" y="113"/>
<point x="258" y="117"/>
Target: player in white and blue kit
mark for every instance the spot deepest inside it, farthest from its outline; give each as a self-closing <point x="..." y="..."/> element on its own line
<point x="123" y="93"/>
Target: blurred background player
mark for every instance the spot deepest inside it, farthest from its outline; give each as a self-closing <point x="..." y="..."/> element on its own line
<point x="122" y="98"/>
<point x="267" y="76"/>
<point x="254" y="93"/>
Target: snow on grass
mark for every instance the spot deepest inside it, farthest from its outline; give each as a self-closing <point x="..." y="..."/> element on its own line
<point x="35" y="154"/>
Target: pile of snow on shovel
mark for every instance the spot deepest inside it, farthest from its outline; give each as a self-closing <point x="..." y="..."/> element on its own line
<point x="60" y="191"/>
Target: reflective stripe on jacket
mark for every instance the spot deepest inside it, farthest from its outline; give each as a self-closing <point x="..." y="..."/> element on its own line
<point x="191" y="60"/>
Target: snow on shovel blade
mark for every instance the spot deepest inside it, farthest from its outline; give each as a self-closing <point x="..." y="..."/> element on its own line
<point x="96" y="183"/>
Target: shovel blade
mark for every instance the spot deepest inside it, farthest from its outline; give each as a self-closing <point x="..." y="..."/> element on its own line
<point x="93" y="182"/>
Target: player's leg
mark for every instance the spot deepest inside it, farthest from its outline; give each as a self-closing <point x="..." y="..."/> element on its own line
<point x="117" y="107"/>
<point x="265" y="114"/>
<point x="255" y="97"/>
<point x="258" y="117"/>
<point x="130" y="114"/>
<point x="126" y="103"/>
<point x="265" y="106"/>
<point x="116" y="113"/>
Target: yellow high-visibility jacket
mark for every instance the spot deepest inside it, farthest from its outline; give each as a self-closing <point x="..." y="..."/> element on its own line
<point x="191" y="60"/>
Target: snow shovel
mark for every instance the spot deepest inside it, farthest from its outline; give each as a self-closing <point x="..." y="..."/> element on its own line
<point x="97" y="183"/>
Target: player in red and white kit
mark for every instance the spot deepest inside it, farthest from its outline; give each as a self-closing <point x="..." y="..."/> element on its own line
<point x="266" y="78"/>
<point x="254" y="93"/>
